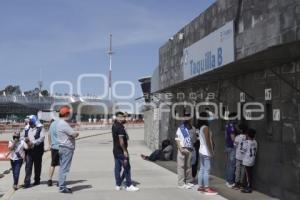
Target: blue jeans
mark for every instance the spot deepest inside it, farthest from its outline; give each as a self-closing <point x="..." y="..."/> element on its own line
<point x="119" y="165"/>
<point x="230" y="165"/>
<point x="205" y="166"/>
<point x="65" y="160"/>
<point x="16" y="168"/>
<point x="156" y="155"/>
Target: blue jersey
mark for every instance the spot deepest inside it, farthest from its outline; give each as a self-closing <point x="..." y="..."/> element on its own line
<point x="230" y="129"/>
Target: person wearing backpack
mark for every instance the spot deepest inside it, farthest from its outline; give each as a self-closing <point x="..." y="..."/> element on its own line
<point x="34" y="137"/>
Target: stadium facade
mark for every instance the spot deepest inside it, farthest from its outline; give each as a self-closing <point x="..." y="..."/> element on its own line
<point x="17" y="107"/>
<point x="236" y="52"/>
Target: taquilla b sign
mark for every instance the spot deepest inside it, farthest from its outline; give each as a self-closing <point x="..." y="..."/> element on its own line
<point x="209" y="53"/>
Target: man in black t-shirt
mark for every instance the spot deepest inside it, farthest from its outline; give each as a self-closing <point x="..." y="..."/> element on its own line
<point x="120" y="145"/>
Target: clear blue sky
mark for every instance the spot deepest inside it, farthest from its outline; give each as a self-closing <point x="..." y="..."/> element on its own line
<point x="67" y="38"/>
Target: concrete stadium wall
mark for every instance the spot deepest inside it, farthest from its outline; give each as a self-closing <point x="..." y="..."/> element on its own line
<point x="151" y="130"/>
<point x="155" y="131"/>
<point x="258" y="25"/>
<point x="277" y="170"/>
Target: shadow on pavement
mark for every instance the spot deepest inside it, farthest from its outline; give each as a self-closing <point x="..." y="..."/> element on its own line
<point x="75" y="182"/>
<point x="136" y="183"/>
<point x="219" y="185"/>
<point x="81" y="187"/>
<point x="7" y="171"/>
<point x="68" y="182"/>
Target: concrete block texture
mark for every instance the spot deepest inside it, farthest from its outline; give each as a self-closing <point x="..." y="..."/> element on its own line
<point x="151" y="129"/>
<point x="278" y="160"/>
<point x="260" y="25"/>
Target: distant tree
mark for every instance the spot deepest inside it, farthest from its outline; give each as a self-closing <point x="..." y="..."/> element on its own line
<point x="45" y="93"/>
<point x="36" y="92"/>
<point x="11" y="90"/>
<point x="16" y="90"/>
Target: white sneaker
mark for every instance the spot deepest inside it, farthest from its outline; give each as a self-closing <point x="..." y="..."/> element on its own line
<point x="190" y="185"/>
<point x="132" y="189"/>
<point x="181" y="186"/>
<point x="229" y="185"/>
<point x="185" y="186"/>
<point x="118" y="188"/>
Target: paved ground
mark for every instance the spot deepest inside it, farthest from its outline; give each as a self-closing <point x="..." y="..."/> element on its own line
<point x="92" y="178"/>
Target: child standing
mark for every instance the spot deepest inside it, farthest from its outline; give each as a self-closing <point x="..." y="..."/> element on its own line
<point x="239" y="143"/>
<point x="17" y="154"/>
<point x="250" y="148"/>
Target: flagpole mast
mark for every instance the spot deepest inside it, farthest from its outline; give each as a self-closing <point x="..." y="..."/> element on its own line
<point x="40" y="84"/>
<point x="110" y="53"/>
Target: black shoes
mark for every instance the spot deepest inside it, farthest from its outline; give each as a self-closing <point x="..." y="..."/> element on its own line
<point x="237" y="186"/>
<point x="28" y="185"/>
<point x="246" y="190"/>
<point x="36" y="183"/>
<point x="50" y="183"/>
<point x="15" y="187"/>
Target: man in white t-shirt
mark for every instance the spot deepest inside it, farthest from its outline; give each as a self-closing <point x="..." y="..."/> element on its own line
<point x="184" y="156"/>
<point x="239" y="143"/>
<point x="250" y="149"/>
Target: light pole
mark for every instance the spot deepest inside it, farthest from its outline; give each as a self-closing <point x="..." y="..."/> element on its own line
<point x="110" y="54"/>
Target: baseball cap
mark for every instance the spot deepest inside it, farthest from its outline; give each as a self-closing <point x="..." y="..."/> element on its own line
<point x="65" y="110"/>
<point x="32" y="120"/>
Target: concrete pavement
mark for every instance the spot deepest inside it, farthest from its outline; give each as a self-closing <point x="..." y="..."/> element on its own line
<point x="91" y="176"/>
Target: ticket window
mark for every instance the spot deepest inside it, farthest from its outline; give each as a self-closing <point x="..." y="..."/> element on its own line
<point x="269" y="117"/>
<point x="243" y="119"/>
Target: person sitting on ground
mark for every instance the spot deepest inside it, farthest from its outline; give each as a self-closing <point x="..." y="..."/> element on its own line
<point x="163" y="154"/>
<point x="17" y="155"/>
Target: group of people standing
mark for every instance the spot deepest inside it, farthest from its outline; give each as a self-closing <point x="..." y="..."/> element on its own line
<point x="28" y="147"/>
<point x="195" y="145"/>
<point x="240" y="148"/>
<point x="186" y="137"/>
